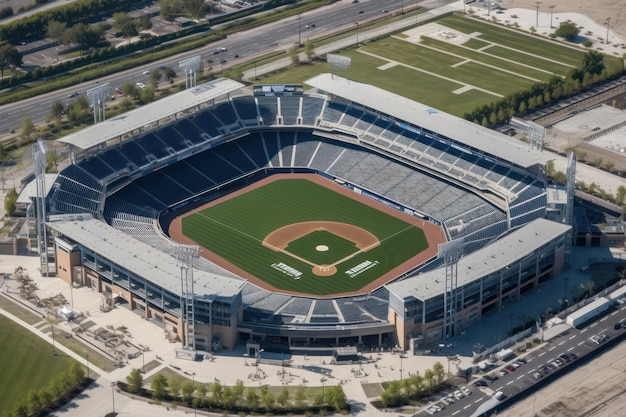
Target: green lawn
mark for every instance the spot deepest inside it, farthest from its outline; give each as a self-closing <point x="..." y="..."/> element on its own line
<point x="26" y="363"/>
<point x="514" y="62"/>
<point x="235" y="228"/>
<point x="338" y="247"/>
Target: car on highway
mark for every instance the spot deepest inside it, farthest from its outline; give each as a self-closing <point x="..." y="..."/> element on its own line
<point x="223" y="61"/>
<point x="146" y="72"/>
<point x="72" y="94"/>
<point x="140" y="85"/>
<point x="162" y="67"/>
<point x="310" y="25"/>
<point x="599" y="338"/>
<point x="620" y="324"/>
<point x="235" y="55"/>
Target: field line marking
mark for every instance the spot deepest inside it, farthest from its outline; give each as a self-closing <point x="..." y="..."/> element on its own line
<point x="228" y="226"/>
<point x="432" y="74"/>
<point x="484" y="64"/>
<point x="554" y="61"/>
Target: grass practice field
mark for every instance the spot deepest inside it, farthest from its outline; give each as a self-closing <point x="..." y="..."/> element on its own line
<point x="235" y="229"/>
<point x="452" y="77"/>
<point x="25" y="364"/>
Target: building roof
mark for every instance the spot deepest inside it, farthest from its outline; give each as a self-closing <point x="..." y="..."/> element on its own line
<point x="460" y="130"/>
<point x="127" y="122"/>
<point x="511" y="248"/>
<point x="30" y="190"/>
<point x="139" y="258"/>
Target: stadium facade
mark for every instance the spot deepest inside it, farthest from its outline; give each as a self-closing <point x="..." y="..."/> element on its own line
<point x="107" y="212"/>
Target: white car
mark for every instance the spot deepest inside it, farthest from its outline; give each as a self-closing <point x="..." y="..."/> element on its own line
<point x="458" y="394"/>
<point x="465" y="390"/>
<point x="146" y="72"/>
<point x="499" y="396"/>
<point x="140" y="85"/>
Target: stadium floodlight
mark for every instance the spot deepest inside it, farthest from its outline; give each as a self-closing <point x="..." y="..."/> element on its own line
<point x="185" y="255"/>
<point x="450" y="252"/>
<point x="97" y="97"/>
<point x="536" y="134"/>
<point x="338" y="63"/>
<point x="40" y="163"/>
<point x="190" y="67"/>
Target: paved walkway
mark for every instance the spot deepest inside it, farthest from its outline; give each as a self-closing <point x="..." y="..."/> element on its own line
<point x="229" y="366"/>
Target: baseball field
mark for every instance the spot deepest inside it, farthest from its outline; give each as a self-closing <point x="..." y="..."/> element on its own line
<point x="298" y="236"/>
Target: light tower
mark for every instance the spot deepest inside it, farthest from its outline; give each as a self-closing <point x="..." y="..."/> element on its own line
<point x="39" y="166"/>
<point x="97" y="97"/>
<point x="338" y="63"/>
<point x="451" y="252"/>
<point x="190" y="67"/>
<point x="185" y="255"/>
<point x="570" y="185"/>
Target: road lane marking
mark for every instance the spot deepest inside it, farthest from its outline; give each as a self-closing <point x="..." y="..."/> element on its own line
<point x="581" y="343"/>
<point x="520" y="377"/>
<point x="509" y="383"/>
<point x="594" y="324"/>
<point x="583" y="331"/>
<point x="541" y="354"/>
<point x="552" y="348"/>
<point x="456" y="412"/>
<point x="561" y="343"/>
<point x="602" y="319"/>
<point x="572" y="348"/>
<point x="478" y="400"/>
<point x="572" y="337"/>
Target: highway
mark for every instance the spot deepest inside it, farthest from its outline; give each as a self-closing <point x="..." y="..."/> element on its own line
<point x="253" y="43"/>
<point x="542" y="367"/>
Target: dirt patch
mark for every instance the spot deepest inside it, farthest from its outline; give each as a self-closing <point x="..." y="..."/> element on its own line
<point x="434" y="234"/>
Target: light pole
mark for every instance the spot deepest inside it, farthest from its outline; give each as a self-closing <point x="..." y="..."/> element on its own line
<point x="608" y="21"/>
<point x="537" y="24"/>
<point x="299" y="31"/>
<point x="143" y="363"/>
<point x="87" y="356"/>
<point x="193" y="383"/>
<point x="323" y="381"/>
<point x="401" y="357"/>
<point x="357" y="33"/>
<point x="113" y="384"/>
<point x="551" y="9"/>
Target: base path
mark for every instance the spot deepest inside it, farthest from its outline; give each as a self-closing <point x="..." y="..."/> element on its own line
<point x="434" y="234"/>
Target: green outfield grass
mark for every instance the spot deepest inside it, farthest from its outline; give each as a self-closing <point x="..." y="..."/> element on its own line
<point x="26" y="364"/>
<point x="235" y="228"/>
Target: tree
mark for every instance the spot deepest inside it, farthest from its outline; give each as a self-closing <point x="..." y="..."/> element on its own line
<point x="439" y="372"/>
<point x="429" y="376"/>
<point x="34" y="402"/>
<point x="201" y="394"/>
<point x="10" y="57"/>
<point x="130" y="90"/>
<point x="593" y="63"/>
<point x="77" y="373"/>
<point x="621" y="194"/>
<point x="21" y="410"/>
<point x="188" y="390"/>
<point x="27" y="126"/>
<point x="10" y="202"/>
<point x="126" y="104"/>
<point x="174" y="386"/>
<point x="336" y="398"/>
<point x="293" y="55"/>
<point x="147" y="94"/>
<point x="155" y="77"/>
<point x="252" y="399"/>
<point x="567" y="30"/>
<point x="56" y="30"/>
<point x="238" y="390"/>
<point x="52" y="160"/>
<point x="159" y="387"/>
<point x="308" y="50"/>
<point x="57" y="110"/>
<point x="300" y="396"/>
<point x="195" y="8"/>
<point x="283" y="397"/>
<point x="135" y="381"/>
<point x="170" y="74"/>
<point x="228" y="398"/>
<point x="143" y="23"/>
<point x="392" y="396"/>
<point x="216" y="392"/>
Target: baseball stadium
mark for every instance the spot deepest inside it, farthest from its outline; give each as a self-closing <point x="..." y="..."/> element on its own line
<point x="300" y="222"/>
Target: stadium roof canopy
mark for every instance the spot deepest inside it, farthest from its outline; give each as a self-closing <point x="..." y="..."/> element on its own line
<point x="493" y="258"/>
<point x="127" y="122"/>
<point x="139" y="258"/>
<point x="417" y="114"/>
<point x="29" y="192"/>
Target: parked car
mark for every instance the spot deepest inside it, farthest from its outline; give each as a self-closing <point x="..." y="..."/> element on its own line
<point x="499" y="396"/>
<point x="480" y="383"/>
<point x="465" y="390"/>
<point x="458" y="394"/>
